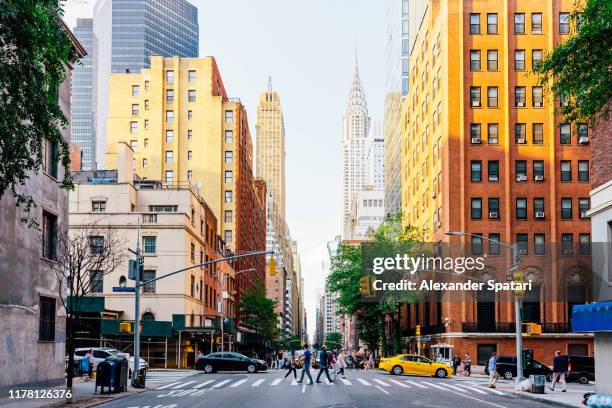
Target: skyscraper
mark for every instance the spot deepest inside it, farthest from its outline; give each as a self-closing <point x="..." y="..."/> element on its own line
<point x="82" y="112"/>
<point x="375" y="157"/>
<point x="270" y="134"/>
<point x="354" y="132"/>
<point x="128" y="33"/>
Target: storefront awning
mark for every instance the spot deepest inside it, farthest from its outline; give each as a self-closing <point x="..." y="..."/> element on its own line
<point x="594" y="317"/>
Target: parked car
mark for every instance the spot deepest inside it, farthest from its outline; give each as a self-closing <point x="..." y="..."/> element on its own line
<point x="581" y="369"/>
<point x="102" y="353"/>
<point x="414" y="364"/>
<point x="506" y="367"/>
<point x="230" y="361"/>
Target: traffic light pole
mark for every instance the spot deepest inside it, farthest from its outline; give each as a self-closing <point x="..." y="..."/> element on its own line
<point x="517" y="312"/>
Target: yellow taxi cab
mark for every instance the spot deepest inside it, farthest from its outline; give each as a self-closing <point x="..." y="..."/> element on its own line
<point x="414" y="364"/>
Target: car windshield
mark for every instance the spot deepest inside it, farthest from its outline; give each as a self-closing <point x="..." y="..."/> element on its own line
<point x="238" y="355"/>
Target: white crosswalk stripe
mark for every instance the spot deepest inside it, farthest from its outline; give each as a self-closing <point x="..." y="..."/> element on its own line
<point x="205" y="383"/>
<point x="221" y="384"/>
<point x="471" y="388"/>
<point x="294" y="382"/>
<point x="154" y="377"/>
<point x="238" y="383"/>
<point x="401" y="384"/>
<point x="364" y="382"/>
<point x="430" y="384"/>
<point x="416" y="384"/>
<point x="258" y="382"/>
<point x="275" y="382"/>
<point x="327" y="382"/>
<point x="345" y="381"/>
<point x="181" y="385"/>
<point x="384" y="384"/>
<point x="168" y="385"/>
<point x="493" y="390"/>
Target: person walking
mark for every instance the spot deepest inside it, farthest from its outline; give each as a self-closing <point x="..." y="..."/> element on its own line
<point x="371" y="361"/>
<point x="467" y="360"/>
<point x="282" y="357"/>
<point x="559" y="371"/>
<point x="492" y="370"/>
<point x="291" y="365"/>
<point x="91" y="360"/>
<point x="456" y="363"/>
<point x="324" y="364"/>
<point x="341" y="363"/>
<point x="306" y="357"/>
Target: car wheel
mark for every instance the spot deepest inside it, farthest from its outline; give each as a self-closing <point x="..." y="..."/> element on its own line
<point x="441" y="373"/>
<point x="507" y="375"/>
<point x="583" y="379"/>
<point x="397" y="370"/>
<point x="208" y="369"/>
<point x="251" y="368"/>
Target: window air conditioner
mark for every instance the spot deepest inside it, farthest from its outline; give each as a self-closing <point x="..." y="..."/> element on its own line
<point x="520" y="104"/>
<point x="521" y="178"/>
<point x="493" y="178"/>
<point x="494" y="214"/>
<point x="539" y="177"/>
<point x="583" y="140"/>
<point x="476" y="140"/>
<point x="539" y="214"/>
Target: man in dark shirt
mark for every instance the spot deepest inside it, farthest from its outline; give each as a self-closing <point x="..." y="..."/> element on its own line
<point x="324" y="364"/>
<point x="306" y="361"/>
<point x="559" y="371"/>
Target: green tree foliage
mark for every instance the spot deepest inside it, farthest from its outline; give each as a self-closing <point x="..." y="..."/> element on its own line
<point x="257" y="312"/>
<point x="579" y="68"/>
<point x="333" y="340"/>
<point x="34" y="53"/>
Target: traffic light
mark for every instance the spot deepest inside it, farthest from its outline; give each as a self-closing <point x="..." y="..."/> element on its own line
<point x="418" y="330"/>
<point x="272" y="267"/>
<point x="132" y="268"/>
<point x="527" y="357"/>
<point x="218" y="340"/>
<point x="534" y="329"/>
<point x="125" y="327"/>
<point x="365" y="285"/>
<point x="519" y="277"/>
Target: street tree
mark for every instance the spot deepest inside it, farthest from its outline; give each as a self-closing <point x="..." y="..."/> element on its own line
<point x="333" y="340"/>
<point x="257" y="312"/>
<point x="35" y="50"/>
<point x="83" y="256"/>
<point x="578" y="70"/>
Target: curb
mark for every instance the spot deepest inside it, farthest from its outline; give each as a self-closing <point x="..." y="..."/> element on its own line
<point x="105" y="400"/>
<point x="534" y="397"/>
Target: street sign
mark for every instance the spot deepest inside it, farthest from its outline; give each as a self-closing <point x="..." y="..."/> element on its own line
<point x="426" y="339"/>
<point x="123" y="289"/>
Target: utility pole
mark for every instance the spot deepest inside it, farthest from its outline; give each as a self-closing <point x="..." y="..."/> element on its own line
<point x="139" y="262"/>
<point x="517" y="311"/>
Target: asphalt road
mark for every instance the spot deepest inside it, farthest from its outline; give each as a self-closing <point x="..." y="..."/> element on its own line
<point x="360" y="389"/>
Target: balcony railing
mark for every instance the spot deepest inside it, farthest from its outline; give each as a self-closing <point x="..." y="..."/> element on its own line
<point x="509" y="327"/>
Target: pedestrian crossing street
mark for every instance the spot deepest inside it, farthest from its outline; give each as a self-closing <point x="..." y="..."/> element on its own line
<point x="198" y="386"/>
<point x="159" y="377"/>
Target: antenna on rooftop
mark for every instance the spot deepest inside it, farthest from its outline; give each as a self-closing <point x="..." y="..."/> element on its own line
<point x="269" y="84"/>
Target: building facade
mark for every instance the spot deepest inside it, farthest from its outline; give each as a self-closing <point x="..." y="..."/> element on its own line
<point x="367" y="213"/>
<point x="32" y="316"/>
<point x="483" y="152"/>
<point x="375" y="157"/>
<point x="356" y="126"/>
<point x="127" y="34"/>
<point x="183" y="128"/>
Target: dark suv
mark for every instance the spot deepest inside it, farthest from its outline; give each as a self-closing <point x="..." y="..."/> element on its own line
<point x="581" y="369"/>
<point x="506" y="367"/>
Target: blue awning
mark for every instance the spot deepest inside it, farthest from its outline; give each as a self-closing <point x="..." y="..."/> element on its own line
<point x="594" y="317"/>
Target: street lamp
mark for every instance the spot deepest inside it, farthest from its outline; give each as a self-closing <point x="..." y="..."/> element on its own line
<point x="517" y="307"/>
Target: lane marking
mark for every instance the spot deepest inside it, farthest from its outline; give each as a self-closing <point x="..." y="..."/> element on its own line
<point x="477" y="399"/>
<point x="201" y="392"/>
<point x="470" y="388"/>
<point x="303" y="388"/>
<point x="364" y="382"/>
<point x="437" y="386"/>
<point x="386" y="392"/>
<point x="167" y="385"/>
<point x="237" y="383"/>
<point x="204" y="384"/>
<point x="345" y="381"/>
<point x="256" y="383"/>
<point x="493" y="390"/>
<point x="384" y="384"/>
<point x="401" y="384"/>
<point x="275" y="382"/>
<point x="416" y="384"/>
<point x="169" y="394"/>
<point x="221" y="384"/>
<point x="183" y="384"/>
<point x="185" y="392"/>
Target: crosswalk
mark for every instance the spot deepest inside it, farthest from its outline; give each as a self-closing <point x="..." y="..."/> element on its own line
<point x="384" y="384"/>
<point x="160" y="377"/>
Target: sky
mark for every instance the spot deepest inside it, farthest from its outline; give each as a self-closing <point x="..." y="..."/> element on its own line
<point x="309" y="49"/>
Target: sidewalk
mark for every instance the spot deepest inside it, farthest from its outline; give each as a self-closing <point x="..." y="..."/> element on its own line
<point x="83" y="397"/>
<point x="571" y="398"/>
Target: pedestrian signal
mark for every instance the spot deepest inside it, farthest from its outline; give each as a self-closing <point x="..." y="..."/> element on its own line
<point x="365" y="285"/>
<point x="272" y="267"/>
<point x="418" y="330"/>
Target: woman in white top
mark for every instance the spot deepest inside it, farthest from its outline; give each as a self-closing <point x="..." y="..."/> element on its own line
<point x="341" y="363"/>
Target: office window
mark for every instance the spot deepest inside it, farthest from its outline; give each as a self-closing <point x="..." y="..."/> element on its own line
<point x="538" y="207"/>
<point x="492" y="60"/>
<point x="169" y="95"/>
<point x="229" y="157"/>
<point x="229" y="116"/>
<point x="191" y="74"/>
<point x="566" y="170"/>
<point x="189" y="114"/>
<point x="537" y="133"/>
<point x="584" y="244"/>
<point x="566" y="208"/>
<point x="583" y="170"/>
<point x="229" y="196"/>
<point x="565" y="133"/>
<point x="49" y="227"/>
<point x="477" y="244"/>
<point x="135" y="90"/>
<point x="169" y="116"/>
<point x="146" y="124"/>
<point x="539" y="244"/>
<point x="564" y="23"/>
<point x="189" y="154"/>
<point x="98" y="206"/>
<point x="169" y="136"/>
<point x="192" y="256"/>
<point x="146" y="142"/>
<point x="567" y="243"/>
<point x="189" y="134"/>
<point x="229" y="136"/>
<point x="475" y="60"/>
<point x="229" y="176"/>
<point x="538" y="170"/>
<point x="521" y="208"/>
<point x="46" y="319"/>
<point x="536" y="23"/>
<point x="493" y="205"/>
<point x="537" y="97"/>
<point x="519" y="96"/>
<point x="493" y="133"/>
<point x="476" y="208"/>
<point x="135" y="109"/>
<point x="169" y="76"/>
<point x="520" y="133"/>
<point x="96" y="281"/>
<point x="521" y="170"/>
<point x="228" y="216"/>
<point x="96" y="244"/>
<point x="494" y="247"/>
<point x="191" y="95"/>
<point x="476" y="170"/>
<point x="145" y="163"/>
<point x="475" y="96"/>
<point x="148" y="275"/>
<point x="492" y="23"/>
<point x="150" y="245"/>
<point x="491" y="96"/>
<point x="169" y="156"/>
<point x="583" y="206"/>
<point x="474" y="23"/>
<point x="536" y="58"/>
<point x="169" y="176"/>
<point x="189" y="175"/>
<point x="227" y="236"/>
<point x="133" y="126"/>
<point x="475" y="133"/>
<point x="519" y="60"/>
<point x="493" y="170"/>
<point x="519" y="23"/>
<point x="522" y="242"/>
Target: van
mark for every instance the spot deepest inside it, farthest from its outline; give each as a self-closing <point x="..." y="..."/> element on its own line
<point x="580" y="369"/>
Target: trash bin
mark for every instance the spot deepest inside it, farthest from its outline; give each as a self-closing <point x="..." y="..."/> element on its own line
<point x="538" y="382"/>
<point x="140" y="378"/>
<point x="119" y="372"/>
<point x="103" y="377"/>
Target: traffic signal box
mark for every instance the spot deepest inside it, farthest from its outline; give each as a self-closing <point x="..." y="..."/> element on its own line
<point x="527" y="357"/>
<point x="533" y="329"/>
<point x="418" y="330"/>
<point x="519" y="278"/>
<point x="365" y="285"/>
<point x="272" y="267"/>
